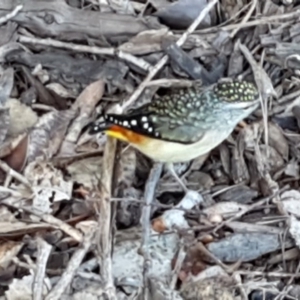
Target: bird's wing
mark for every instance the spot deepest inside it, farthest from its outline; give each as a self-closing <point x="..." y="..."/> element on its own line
<point x="178" y="116"/>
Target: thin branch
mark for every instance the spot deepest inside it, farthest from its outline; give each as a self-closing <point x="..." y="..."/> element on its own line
<point x="10" y="172"/>
<point x="229" y="269"/>
<point x="66" y="228"/>
<point x="74" y="263"/>
<point x="145" y="220"/>
<point x="44" y="250"/>
<point x="104" y="206"/>
<point x="263" y="20"/>
<point x="11" y="15"/>
<point x="165" y="58"/>
<point x="179" y="261"/>
<point x="245" y="19"/>
<point x="250" y="208"/>
<point x="268" y="274"/>
<point x="139" y="62"/>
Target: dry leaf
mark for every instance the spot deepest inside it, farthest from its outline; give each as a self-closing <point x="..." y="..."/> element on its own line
<point x="61" y="90"/>
<point x="290" y="203"/>
<point x="18" y="155"/>
<point x="210" y="272"/>
<point x="9" y="250"/>
<point x="48" y="185"/>
<point x="122" y="7"/>
<point x="86" y="171"/>
<point x="240" y="193"/>
<point x="295" y="230"/>
<point x="6" y="85"/>
<point x="273" y="161"/>
<point x="162" y="250"/>
<point x="174" y="218"/>
<point x="225" y="209"/>
<point x="209" y="289"/>
<point x="47" y="135"/>
<point x="245" y="246"/>
<point x="4" y="124"/>
<point x="85" y="104"/>
<point x="292" y="169"/>
<point x="128" y="167"/>
<point x="6" y="215"/>
<point x="22" y="117"/>
<point x="22" y="288"/>
<point x="180" y="14"/>
<point x="86" y="226"/>
<point x="262" y="79"/>
<point x="146" y="42"/>
<point x="41" y="74"/>
<point x="277" y="140"/>
<point x="21" y="228"/>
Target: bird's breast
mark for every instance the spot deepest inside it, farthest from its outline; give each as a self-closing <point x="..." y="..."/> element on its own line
<point x="165" y="151"/>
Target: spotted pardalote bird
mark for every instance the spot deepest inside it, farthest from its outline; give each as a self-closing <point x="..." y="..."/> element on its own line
<point x="184" y="123"/>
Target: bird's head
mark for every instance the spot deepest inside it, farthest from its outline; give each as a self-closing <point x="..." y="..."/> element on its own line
<point x="236" y="95"/>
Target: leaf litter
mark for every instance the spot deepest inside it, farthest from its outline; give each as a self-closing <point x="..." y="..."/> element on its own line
<point x="84" y="216"/>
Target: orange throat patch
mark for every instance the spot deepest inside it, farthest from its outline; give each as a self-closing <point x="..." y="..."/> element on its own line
<point x="125" y="135"/>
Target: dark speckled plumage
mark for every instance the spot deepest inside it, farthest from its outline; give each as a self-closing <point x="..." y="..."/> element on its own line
<point x="183" y="115"/>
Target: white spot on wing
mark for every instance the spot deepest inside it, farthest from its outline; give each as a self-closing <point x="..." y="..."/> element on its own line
<point x="150" y="129"/>
<point x="145" y="125"/>
<point x="144" y="119"/>
<point x="125" y="123"/>
<point x="133" y="122"/>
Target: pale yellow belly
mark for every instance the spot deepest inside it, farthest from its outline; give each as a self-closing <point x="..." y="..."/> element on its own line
<point x="173" y="152"/>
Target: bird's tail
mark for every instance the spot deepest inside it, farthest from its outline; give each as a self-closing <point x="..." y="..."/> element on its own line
<point x="113" y="126"/>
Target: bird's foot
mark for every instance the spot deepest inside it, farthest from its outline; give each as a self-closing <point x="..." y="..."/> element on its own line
<point x="171" y="169"/>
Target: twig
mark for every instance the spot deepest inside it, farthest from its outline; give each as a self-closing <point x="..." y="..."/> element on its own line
<point x="72" y="267"/>
<point x="104" y="234"/>
<point x="261" y="21"/>
<point x="10" y="172"/>
<point x="66" y="228"/>
<point x="238" y="280"/>
<point x="29" y="261"/>
<point x="89" y="276"/>
<point x="43" y="107"/>
<point x="264" y="85"/>
<point x="251" y="207"/>
<point x="12" y="192"/>
<point x="245" y="19"/>
<point x="11" y="14"/>
<point x="145" y="220"/>
<point x="165" y="58"/>
<point x="294" y="275"/>
<point x="44" y="250"/>
<point x="168" y="82"/>
<point x="289" y="97"/>
<point x="179" y="261"/>
<point x="268" y="274"/>
<point x="229" y="269"/>
<point x="141" y="63"/>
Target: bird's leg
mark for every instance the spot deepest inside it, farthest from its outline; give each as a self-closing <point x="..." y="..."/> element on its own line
<point x="171" y="169"/>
